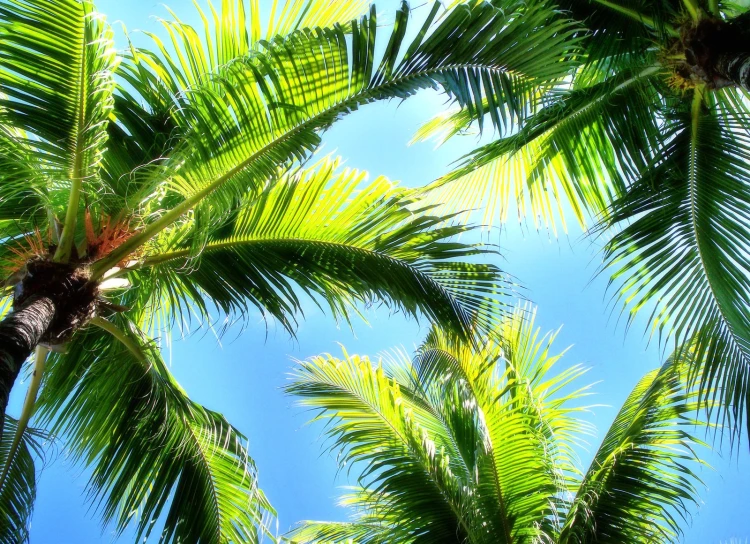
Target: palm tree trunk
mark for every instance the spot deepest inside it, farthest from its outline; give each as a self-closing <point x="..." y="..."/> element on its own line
<point x="718" y="52"/>
<point x="20" y="332"/>
<point x="734" y="68"/>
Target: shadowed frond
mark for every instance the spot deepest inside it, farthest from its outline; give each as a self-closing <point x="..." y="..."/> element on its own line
<point x="620" y="30"/>
<point x="684" y="243"/>
<point x="156" y="455"/>
<point x="19" y="490"/>
<point x="325" y="234"/>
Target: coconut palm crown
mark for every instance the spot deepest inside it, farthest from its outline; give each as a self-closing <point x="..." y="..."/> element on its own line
<point x="142" y="187"/>
<point x="474" y="445"/>
<point x="651" y="138"/>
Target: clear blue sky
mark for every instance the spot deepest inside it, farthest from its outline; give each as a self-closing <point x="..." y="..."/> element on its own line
<point x="242" y="377"/>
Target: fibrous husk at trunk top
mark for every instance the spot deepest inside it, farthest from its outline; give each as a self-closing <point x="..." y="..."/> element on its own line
<point x="701" y="46"/>
<point x="68" y="286"/>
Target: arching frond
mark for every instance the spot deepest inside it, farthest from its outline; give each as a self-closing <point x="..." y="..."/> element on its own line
<point x="620" y="30"/>
<point x="145" y="130"/>
<point x="58" y="56"/>
<point x="19" y="490"/>
<point x="529" y="428"/>
<point x="324" y="233"/>
<point x="640" y="483"/>
<point x="236" y="29"/>
<point x="153" y="451"/>
<point x="405" y="450"/>
<point x="506" y="418"/>
<point x="266" y="110"/>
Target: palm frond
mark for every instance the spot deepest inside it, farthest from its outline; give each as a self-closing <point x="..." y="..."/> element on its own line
<point x="579" y="150"/>
<point x="405" y="450"/>
<point x="340" y="532"/>
<point x="145" y="130"/>
<point x="528" y="422"/>
<point x="58" y="56"/>
<point x="322" y="233"/>
<point x="373" y="522"/>
<point x="494" y="418"/>
<point x="155" y="453"/>
<point x="236" y="29"/>
<point x="21" y="185"/>
<point x="684" y="244"/>
<point x="640" y="483"/>
<point x="18" y="493"/>
<point x="616" y="31"/>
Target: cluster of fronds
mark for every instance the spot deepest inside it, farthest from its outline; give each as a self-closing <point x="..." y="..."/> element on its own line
<point x="480" y="445"/>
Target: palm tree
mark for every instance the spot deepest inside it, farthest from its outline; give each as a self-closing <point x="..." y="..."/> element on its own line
<point x="651" y="137"/>
<point x="141" y="188"/>
<point x="480" y="445"/>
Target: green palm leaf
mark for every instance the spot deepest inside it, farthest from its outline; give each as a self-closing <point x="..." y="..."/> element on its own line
<point x="502" y="421"/>
<point x="18" y="492"/>
<point x="639" y="485"/>
<point x="58" y="56"/>
<point x="528" y="428"/>
<point x="321" y="233"/>
<point x="491" y="418"/>
<point x="266" y="109"/>
<point x="146" y="131"/>
<point x="580" y="149"/>
<point x="156" y="454"/>
<point x="406" y="466"/>
<point x="657" y="154"/>
<point x="686" y="243"/>
<point x="21" y="184"/>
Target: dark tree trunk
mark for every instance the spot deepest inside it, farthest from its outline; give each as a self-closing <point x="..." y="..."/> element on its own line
<point x="734" y="68"/>
<point x="718" y="52"/>
<point x="20" y="332"/>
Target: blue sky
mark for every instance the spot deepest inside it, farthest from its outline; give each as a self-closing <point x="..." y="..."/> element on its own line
<point x="242" y="377"/>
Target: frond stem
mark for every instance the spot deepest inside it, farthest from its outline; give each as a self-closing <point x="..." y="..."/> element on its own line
<point x="67" y="237"/>
<point x="62" y="254"/>
<point x="123" y="338"/>
<point x="694" y="9"/>
<point x="638" y="16"/>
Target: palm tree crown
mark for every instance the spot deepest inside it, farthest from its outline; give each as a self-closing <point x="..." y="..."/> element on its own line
<point x="480" y="445"/>
<point x="651" y="137"/>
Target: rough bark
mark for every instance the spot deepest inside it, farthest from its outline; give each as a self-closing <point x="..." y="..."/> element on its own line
<point x="734" y="68"/>
<point x="717" y="52"/>
<point x="20" y="332"/>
